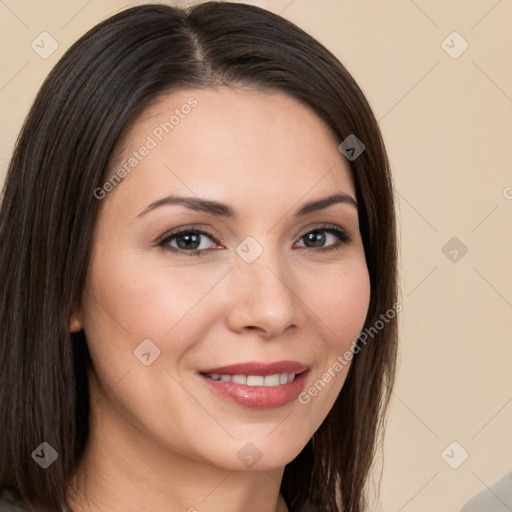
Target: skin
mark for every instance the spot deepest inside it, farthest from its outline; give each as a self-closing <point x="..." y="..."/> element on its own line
<point x="160" y="438"/>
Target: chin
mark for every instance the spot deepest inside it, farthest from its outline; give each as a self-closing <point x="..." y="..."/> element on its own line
<point x="261" y="452"/>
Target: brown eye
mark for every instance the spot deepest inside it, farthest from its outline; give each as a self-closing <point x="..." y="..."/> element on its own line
<point x="188" y="241"/>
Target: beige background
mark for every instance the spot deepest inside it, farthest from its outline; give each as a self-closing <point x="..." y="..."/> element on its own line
<point x="448" y="125"/>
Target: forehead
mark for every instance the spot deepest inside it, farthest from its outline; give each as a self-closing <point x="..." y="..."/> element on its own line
<point x="238" y="141"/>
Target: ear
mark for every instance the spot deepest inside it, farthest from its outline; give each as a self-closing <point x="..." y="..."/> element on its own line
<point x="75" y="324"/>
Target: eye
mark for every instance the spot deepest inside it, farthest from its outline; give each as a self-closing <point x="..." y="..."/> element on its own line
<point x="191" y="241"/>
<point x="188" y="241"/>
<point x="318" y="238"/>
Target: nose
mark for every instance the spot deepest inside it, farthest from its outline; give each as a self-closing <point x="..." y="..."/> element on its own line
<point x="263" y="297"/>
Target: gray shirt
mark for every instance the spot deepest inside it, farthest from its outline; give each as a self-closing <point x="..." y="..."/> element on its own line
<point x="496" y="498"/>
<point x="10" y="503"/>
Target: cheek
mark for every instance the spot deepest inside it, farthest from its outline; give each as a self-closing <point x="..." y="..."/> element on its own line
<point x="138" y="298"/>
<point x="131" y="301"/>
<point x="341" y="299"/>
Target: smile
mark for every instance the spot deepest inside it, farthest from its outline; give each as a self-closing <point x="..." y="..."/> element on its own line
<point x="255" y="380"/>
<point x="257" y="385"/>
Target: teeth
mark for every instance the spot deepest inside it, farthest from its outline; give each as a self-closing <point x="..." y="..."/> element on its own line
<point x="239" y="379"/>
<point x="273" y="380"/>
<point x="255" y="380"/>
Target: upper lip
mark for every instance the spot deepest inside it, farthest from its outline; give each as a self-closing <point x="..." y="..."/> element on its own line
<point x="258" y="368"/>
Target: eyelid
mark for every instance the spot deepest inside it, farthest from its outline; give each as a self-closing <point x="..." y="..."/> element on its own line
<point x="186" y="229"/>
<point x="343" y="235"/>
<point x="327" y="227"/>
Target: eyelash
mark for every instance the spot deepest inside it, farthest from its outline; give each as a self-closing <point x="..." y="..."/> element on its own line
<point x="343" y="238"/>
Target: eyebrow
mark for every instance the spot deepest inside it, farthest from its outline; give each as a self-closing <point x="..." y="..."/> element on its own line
<point x="223" y="210"/>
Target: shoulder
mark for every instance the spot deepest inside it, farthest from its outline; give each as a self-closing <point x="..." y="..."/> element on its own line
<point x="496" y="498"/>
<point x="9" y="501"/>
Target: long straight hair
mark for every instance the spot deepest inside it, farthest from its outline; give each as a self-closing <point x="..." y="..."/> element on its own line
<point x="62" y="155"/>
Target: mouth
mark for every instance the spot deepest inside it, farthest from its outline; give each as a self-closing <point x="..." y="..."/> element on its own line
<point x="255" y="380"/>
<point x="258" y="385"/>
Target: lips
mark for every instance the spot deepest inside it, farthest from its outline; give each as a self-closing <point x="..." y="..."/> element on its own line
<point x="257" y="385"/>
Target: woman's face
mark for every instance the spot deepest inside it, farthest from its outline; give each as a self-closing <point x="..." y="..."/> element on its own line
<point x="254" y="283"/>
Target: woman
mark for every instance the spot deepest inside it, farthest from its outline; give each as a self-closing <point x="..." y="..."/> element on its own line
<point x="198" y="258"/>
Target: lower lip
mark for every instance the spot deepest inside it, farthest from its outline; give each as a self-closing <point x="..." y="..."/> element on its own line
<point x="259" y="397"/>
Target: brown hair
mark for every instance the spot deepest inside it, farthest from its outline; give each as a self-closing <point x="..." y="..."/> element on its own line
<point x="48" y="210"/>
